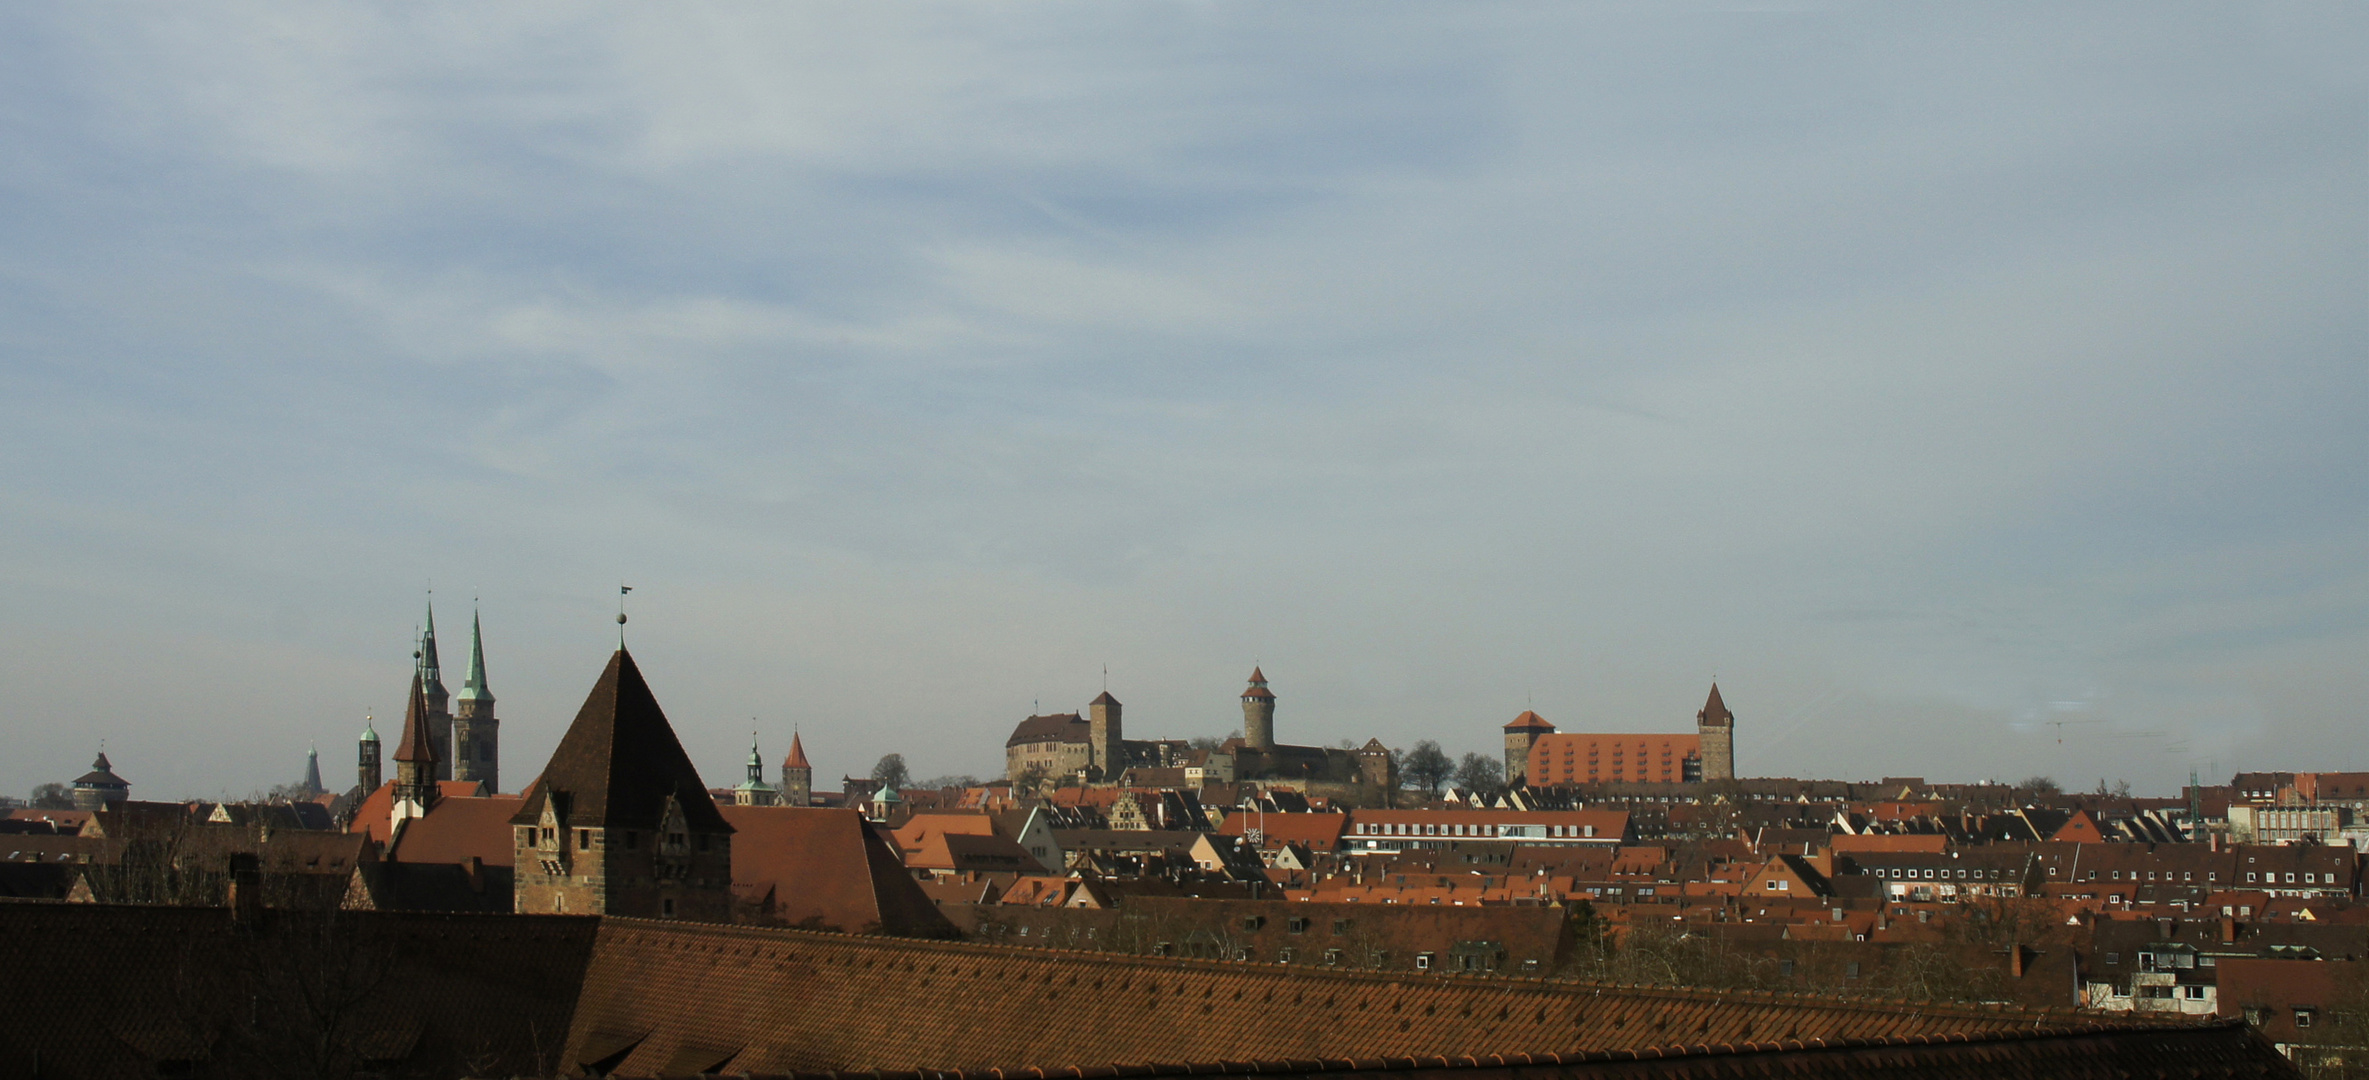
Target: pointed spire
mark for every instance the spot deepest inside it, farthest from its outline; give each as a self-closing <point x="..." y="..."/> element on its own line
<point x="369" y="728"/>
<point x="1715" y="710"/>
<point x="1257" y="690"/>
<point x="418" y="743"/>
<point x="312" y="769"/>
<point x="619" y="762"/>
<point x="797" y="758"/>
<point x="430" y="668"/>
<point x="473" y="687"/>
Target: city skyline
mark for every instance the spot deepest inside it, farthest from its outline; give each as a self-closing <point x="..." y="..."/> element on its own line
<point x="1928" y="377"/>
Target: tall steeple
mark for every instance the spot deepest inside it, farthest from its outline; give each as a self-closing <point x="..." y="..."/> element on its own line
<point x="473" y="686"/>
<point x="312" y="771"/>
<point x="415" y="758"/>
<point x="476" y="734"/>
<point x="431" y="670"/>
<point x="1717" y="728"/>
<point x="754" y="791"/>
<point x="438" y="702"/>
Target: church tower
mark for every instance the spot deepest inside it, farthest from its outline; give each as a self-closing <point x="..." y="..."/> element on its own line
<point x="1105" y="757"/>
<point x="1258" y="713"/>
<point x="1718" y="729"/>
<point x="367" y="769"/>
<point x="438" y="701"/>
<point x="476" y="734"/>
<point x="415" y="758"/>
<point x="797" y="776"/>
<point x="620" y="823"/>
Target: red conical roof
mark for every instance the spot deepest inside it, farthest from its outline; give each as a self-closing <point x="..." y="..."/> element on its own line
<point x="419" y="744"/>
<point x="1715" y="710"/>
<point x="1256" y="676"/>
<point x="797" y="758"/>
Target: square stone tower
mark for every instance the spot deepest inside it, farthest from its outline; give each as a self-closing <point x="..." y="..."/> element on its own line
<point x="620" y="823"/>
<point x="1718" y="729"/>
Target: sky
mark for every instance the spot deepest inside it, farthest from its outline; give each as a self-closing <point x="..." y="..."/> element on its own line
<point x="1974" y="393"/>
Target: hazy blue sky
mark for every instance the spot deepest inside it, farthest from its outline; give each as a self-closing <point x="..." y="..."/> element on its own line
<point x="1929" y="374"/>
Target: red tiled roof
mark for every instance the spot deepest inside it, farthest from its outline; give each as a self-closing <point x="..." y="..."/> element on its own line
<point x="825" y="869"/>
<point x="456" y="830"/>
<point x="797" y="758"/>
<point x="371" y="814"/>
<point x="1529" y="721"/>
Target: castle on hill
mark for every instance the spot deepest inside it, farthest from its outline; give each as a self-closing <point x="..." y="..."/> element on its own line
<point x="1070" y="748"/>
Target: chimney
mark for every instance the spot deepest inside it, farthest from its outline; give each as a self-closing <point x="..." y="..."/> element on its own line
<point x="245" y="896"/>
<point x="2015" y="960"/>
<point x="475" y="868"/>
<point x="2228" y="930"/>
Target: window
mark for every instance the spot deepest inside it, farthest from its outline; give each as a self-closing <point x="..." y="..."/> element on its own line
<point x="1253" y="922"/>
<point x="583" y="839"/>
<point x="1283" y="956"/>
<point x="666" y="907"/>
<point x="1422" y="961"/>
<point x="1851" y="970"/>
<point x="1332" y="957"/>
<point x="2193" y="992"/>
<point x="1296" y="925"/>
<point x="1340" y="926"/>
<point x="2304" y="1017"/>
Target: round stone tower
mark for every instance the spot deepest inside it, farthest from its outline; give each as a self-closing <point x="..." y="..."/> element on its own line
<point x="1258" y="713"/>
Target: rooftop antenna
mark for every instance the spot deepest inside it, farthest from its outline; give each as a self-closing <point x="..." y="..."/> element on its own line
<point x="1106" y="678"/>
<point x="622" y="589"/>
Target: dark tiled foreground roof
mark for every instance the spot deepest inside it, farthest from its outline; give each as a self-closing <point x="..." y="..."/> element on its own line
<point x="779" y="1002"/>
<point x="2089" y="1052"/>
<point x="126" y="991"/>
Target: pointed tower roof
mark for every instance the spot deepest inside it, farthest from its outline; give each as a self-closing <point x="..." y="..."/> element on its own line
<point x="1530" y="721"/>
<point x="797" y="758"/>
<point x="429" y="665"/>
<point x="620" y="760"/>
<point x="1257" y="677"/>
<point x="312" y="769"/>
<point x="1715" y="710"/>
<point x="1105" y="699"/>
<point x="1258" y="687"/>
<point x="419" y="744"/>
<point x="473" y="687"/>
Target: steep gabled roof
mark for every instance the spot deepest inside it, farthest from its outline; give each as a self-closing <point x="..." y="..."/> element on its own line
<point x="620" y="760"/>
<point x="797" y="758"/>
<point x="418" y="743"/>
<point x="1105" y="699"/>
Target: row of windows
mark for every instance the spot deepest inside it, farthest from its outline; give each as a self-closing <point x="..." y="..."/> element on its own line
<point x="584" y="838"/>
<point x="1454" y="829"/>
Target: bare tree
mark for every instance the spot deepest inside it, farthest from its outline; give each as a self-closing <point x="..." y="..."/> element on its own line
<point x="2040" y="785"/>
<point x="53" y="796"/>
<point x="1426" y="767"/>
<point x="1481" y="774"/>
<point x="890" y="771"/>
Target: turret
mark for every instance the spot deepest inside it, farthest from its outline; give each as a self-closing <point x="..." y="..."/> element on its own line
<point x="312" y="771"/>
<point x="476" y="733"/>
<point x="754" y="791"/>
<point x="1520" y="736"/>
<point x="366" y="761"/>
<point x="797" y="775"/>
<point x="1717" y="727"/>
<point x="100" y="788"/>
<point x="1106" y="758"/>
<point x="1258" y="713"/>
